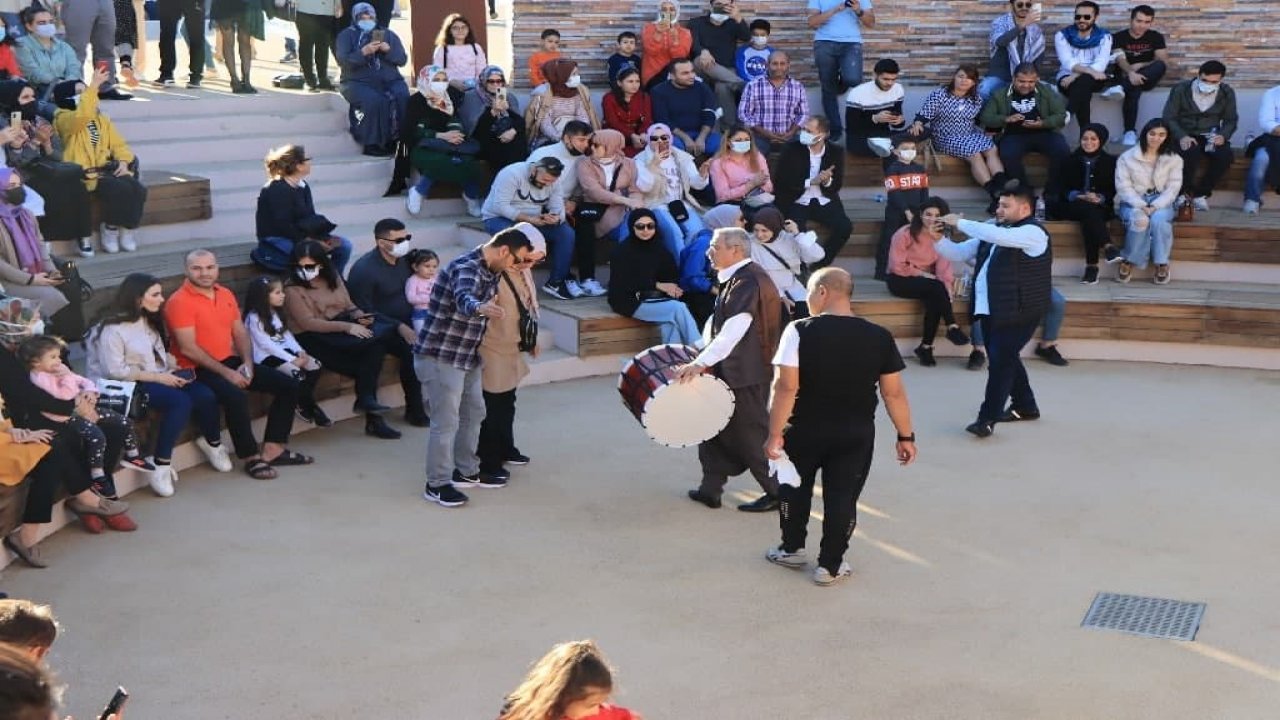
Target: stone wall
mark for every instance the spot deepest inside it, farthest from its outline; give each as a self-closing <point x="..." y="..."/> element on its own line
<point x="927" y="38"/>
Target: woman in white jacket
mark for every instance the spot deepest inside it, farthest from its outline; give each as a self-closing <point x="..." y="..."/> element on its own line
<point x="1148" y="178"/>
<point x="782" y="251"/>
<point x="665" y="174"/>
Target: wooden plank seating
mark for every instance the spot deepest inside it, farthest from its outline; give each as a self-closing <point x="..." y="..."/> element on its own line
<point x="600" y="330"/>
<point x="172" y="197"/>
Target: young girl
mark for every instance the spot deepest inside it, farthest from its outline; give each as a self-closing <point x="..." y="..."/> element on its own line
<point x="42" y="356"/>
<point x="417" y="289"/>
<point x="571" y="682"/>
<point x="276" y="347"/>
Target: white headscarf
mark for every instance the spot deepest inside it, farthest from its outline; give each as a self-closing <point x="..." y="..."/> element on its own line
<point x="439" y="101"/>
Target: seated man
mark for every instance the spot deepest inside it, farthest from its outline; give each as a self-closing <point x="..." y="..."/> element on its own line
<point x="530" y="192"/>
<point x="1016" y="37"/>
<point x="716" y="36"/>
<point x="873" y="111"/>
<point x="211" y="341"/>
<point x="774" y="105"/>
<point x="807" y="185"/>
<point x="376" y="284"/>
<point x="1202" y="115"/>
<point x="688" y="107"/>
<point x="1084" y="50"/>
<point x="1263" y="149"/>
<point x="1141" y="60"/>
<point x="575" y="142"/>
<point x="1029" y="115"/>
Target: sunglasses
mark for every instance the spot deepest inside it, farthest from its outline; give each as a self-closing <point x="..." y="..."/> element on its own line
<point x="645" y="226"/>
<point x="397" y="241"/>
<point x="495" y="82"/>
<point x="1084" y="17"/>
<point x="312" y="266"/>
<point x="1023" y="5"/>
<point x="661" y="138"/>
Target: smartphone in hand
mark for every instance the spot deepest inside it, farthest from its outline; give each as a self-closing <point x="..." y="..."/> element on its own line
<point x="15" y="120"/>
<point x="378" y="35"/>
<point x="116" y="704"/>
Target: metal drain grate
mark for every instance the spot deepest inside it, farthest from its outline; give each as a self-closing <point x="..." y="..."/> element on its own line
<point x="1145" y="616"/>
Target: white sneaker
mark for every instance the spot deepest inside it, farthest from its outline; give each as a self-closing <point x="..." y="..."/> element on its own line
<point x="85" y="246"/>
<point x="573" y="287"/>
<point x="1251" y="207"/>
<point x="473" y="206"/>
<point x="1201" y="204"/>
<point x="413" y="203"/>
<point x="162" y="479"/>
<point x="778" y="556"/>
<point x="591" y="288"/>
<point x="822" y="577"/>
<point x="1130" y="138"/>
<point x="1115" y="92"/>
<point x="128" y="242"/>
<point x="110" y="238"/>
<point x="217" y="456"/>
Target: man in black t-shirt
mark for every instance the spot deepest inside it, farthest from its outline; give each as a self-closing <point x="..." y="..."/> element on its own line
<point x="822" y="417"/>
<point x="1142" y="59"/>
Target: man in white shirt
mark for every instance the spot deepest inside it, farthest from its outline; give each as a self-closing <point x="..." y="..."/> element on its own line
<point x="1084" y="49"/>
<point x="1265" y="148"/>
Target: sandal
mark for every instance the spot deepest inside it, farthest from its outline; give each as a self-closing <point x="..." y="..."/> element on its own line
<point x="260" y="469"/>
<point x="289" y="457"/>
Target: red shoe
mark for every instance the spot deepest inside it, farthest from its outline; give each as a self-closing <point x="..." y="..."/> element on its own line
<point x="121" y="522"/>
<point x="93" y="524"/>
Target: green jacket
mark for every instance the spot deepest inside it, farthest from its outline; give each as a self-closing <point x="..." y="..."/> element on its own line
<point x="1185" y="118"/>
<point x="1053" y="108"/>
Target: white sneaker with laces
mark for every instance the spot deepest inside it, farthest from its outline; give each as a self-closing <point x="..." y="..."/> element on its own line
<point x="473" y="206"/>
<point x="110" y="238"/>
<point x="1130" y="138"/>
<point x="778" y="556"/>
<point x="821" y="576"/>
<point x="161" y="480"/>
<point x="1201" y="204"/>
<point x="573" y="287"/>
<point x="592" y="288"/>
<point x="1251" y="207"/>
<point x="128" y="242"/>
<point x="85" y="246"/>
<point x="1115" y="92"/>
<point x="217" y="456"/>
<point x="413" y="203"/>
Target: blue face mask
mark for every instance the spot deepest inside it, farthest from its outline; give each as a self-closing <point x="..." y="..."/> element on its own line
<point x="366" y="25"/>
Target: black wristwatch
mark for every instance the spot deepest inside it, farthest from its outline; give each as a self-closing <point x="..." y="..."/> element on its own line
<point x="907" y="438"/>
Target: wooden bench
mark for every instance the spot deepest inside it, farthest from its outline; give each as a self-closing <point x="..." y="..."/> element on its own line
<point x="590" y="325"/>
<point x="172" y="197"/>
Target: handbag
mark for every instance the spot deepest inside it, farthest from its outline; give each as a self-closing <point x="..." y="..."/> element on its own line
<point x="591" y="212"/>
<point x="1186" y="210"/>
<point x="528" y="324"/>
<point x="679" y="211"/>
<point x="70" y="321"/>
<point x="802" y="276"/>
<point x="123" y="397"/>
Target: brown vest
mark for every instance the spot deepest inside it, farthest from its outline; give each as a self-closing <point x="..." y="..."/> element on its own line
<point x="749" y="290"/>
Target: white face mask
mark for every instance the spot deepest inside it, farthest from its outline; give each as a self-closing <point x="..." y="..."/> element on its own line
<point x="573" y="81"/>
<point x="807" y="138"/>
<point x="308" y="274"/>
<point x="400" y="249"/>
<point x="75" y="99"/>
<point x="1206" y="88"/>
<point x="718" y="18"/>
<point x="605" y="161"/>
<point x="759" y="40"/>
<point x="438" y="87"/>
<point x="740" y="146"/>
<point x="907" y="155"/>
<point x="46" y="31"/>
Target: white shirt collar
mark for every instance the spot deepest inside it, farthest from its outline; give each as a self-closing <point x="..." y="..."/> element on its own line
<point x="724" y="275"/>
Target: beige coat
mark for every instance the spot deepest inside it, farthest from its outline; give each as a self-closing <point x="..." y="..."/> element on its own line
<point x="503" y="365"/>
<point x="1134" y="176"/>
<point x="596" y="190"/>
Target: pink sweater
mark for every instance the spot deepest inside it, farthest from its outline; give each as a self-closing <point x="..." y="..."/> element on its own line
<point x="464" y="61"/>
<point x="63" y="387"/>
<point x="417" y="291"/>
<point x="909" y="258"/>
<point x="730" y="176"/>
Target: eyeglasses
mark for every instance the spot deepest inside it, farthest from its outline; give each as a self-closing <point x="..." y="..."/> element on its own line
<point x="1084" y="17"/>
<point x="645" y="226"/>
<point x="397" y="241"/>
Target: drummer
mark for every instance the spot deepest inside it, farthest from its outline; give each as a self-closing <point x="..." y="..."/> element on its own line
<point x="739" y="340"/>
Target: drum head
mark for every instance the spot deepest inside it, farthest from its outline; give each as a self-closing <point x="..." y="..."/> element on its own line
<point x="684" y="414"/>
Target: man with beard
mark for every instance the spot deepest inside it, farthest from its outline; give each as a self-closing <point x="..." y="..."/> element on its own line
<point x="532" y="192"/>
<point x="1028" y="114"/>
<point x="1084" y="49"/>
<point x="873" y="111"/>
<point x="688" y="107"/>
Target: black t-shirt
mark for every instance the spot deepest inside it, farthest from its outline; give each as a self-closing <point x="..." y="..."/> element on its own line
<point x="1028" y="106"/>
<point x="841" y="361"/>
<point x="1138" y="50"/>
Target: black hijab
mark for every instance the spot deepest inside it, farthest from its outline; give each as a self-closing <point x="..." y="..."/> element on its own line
<point x="639" y="214"/>
<point x="1101" y="131"/>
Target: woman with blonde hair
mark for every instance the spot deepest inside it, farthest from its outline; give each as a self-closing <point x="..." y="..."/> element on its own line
<point x="286" y="210"/>
<point x="740" y="173"/>
<point x="573" y="681"/>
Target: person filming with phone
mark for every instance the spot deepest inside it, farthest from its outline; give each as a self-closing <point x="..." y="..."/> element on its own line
<point x="372" y="58"/>
<point x="26" y="270"/>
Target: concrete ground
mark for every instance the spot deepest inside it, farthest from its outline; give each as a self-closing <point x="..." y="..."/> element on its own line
<point x="336" y="592"/>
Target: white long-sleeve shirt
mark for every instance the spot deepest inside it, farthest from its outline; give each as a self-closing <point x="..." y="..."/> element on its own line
<point x="731" y="333"/>
<point x="1029" y="238"/>
<point x="1268" y="110"/>
<point x="791" y="250"/>
<point x="282" y="345"/>
<point x="1096" y="57"/>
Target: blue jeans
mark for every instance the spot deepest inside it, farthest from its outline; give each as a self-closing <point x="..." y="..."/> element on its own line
<point x="1257" y="175"/>
<point x="839" y="68"/>
<point x="712" y="145"/>
<point x="990" y="85"/>
<point x="560" y="241"/>
<point x="673" y="319"/>
<point x="674" y="234"/>
<point x="457" y="410"/>
<point x="1053" y="318"/>
<point x="471" y="189"/>
<point x="175" y="407"/>
<point x="1156" y="241"/>
<point x="1007" y="380"/>
<point x="270" y="254"/>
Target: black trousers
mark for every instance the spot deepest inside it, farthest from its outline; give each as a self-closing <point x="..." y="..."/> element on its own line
<point x="831" y="215"/>
<point x="191" y="12"/>
<point x="283" y="390"/>
<point x="584" y="248"/>
<point x="63" y="465"/>
<point x="843" y="454"/>
<point x="1133" y="93"/>
<point x="338" y="353"/>
<point x="1219" y="161"/>
<point x="315" y="42"/>
<point x="1092" y="218"/>
<point x="1007" y="380"/>
<point x="1013" y="146"/>
<point x="1080" y="97"/>
<point x="497" y="431"/>
<point x="66" y="199"/>
<point x="740" y="445"/>
<point x="894" y="219"/>
<point x="122" y="200"/>
<point x="931" y="291"/>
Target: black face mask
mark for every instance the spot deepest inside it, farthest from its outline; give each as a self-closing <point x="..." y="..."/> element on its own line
<point x="15" y="196"/>
<point x="28" y="111"/>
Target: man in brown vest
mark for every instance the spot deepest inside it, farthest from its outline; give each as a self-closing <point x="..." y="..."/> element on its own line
<point x="739" y="341"/>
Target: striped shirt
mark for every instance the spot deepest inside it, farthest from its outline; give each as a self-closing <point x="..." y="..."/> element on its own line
<point x="776" y="109"/>
<point x="453" y="328"/>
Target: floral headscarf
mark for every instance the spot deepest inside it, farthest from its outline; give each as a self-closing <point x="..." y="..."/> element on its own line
<point x="439" y="101"/>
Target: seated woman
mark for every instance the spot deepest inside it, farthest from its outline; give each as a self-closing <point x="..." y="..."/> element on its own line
<point x="275" y="347"/>
<point x="285" y="209"/>
<point x="609" y="192"/>
<point x="627" y="109"/>
<point x="458" y="52"/>
<point x="949" y="115"/>
<point x="21" y="451"/>
<point x="371" y="58"/>
<point x="330" y="327"/>
<point x="36" y="151"/>
<point x="565" y="99"/>
<point x="26" y="269"/>
<point x="131" y="343"/>
<point x="644" y="282"/>
<point x="1087" y="181"/>
<point x="782" y="251"/>
<point x="662" y="41"/>
<point x="44" y="59"/>
<point x="1148" y="177"/>
<point x="90" y="140"/>
<point x="491" y="116"/>
<point x="439" y="149"/>
<point x="740" y="173"/>
<point x="697" y="276"/>
<point x="917" y="272"/>
<point x="666" y="175"/>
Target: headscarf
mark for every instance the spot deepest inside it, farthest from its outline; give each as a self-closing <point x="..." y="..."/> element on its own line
<point x="63" y="92"/>
<point x="658" y="129"/>
<point x="675" y="20"/>
<point x="9" y="91"/>
<point x="439" y="101"/>
<point x="364" y="38"/>
<point x="769" y="217"/>
<point x="611" y="140"/>
<point x="640" y="214"/>
<point x="539" y="246"/>
<point x="23" y="230"/>
<point x="557" y="72"/>
<point x="722" y="216"/>
<point x="486" y="96"/>
<point x="362" y="8"/>
<point x="1101" y="131"/>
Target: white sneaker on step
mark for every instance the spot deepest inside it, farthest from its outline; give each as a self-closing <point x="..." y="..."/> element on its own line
<point x="573" y="287"/>
<point x="162" y="479"/>
<point x="217" y="456"/>
<point x="110" y="238"/>
<point x="1115" y="92"/>
<point x="1251" y="207"/>
<point x="413" y="203"/>
<point x="591" y="288"/>
<point x="1201" y="204"/>
<point x="128" y="242"/>
<point x="473" y="206"/>
<point x="1130" y="138"/>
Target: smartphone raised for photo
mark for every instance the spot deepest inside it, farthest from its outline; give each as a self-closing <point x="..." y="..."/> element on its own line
<point x="15" y="119"/>
<point x="1037" y="8"/>
<point x="116" y="704"/>
<point x="502" y="94"/>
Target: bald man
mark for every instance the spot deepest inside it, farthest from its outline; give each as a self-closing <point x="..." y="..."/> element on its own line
<point x="822" y="417"/>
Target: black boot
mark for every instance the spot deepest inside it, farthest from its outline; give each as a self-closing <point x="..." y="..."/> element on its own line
<point x="376" y="426"/>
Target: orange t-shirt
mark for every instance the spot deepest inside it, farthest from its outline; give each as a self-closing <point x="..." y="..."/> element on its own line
<point x="212" y="319"/>
<point x="536" y="61"/>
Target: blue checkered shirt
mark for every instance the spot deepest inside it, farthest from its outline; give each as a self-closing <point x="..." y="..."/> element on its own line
<point x="774" y="109"/>
<point x="453" y="328"/>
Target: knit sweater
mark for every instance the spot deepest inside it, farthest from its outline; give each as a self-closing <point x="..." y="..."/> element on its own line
<point x="731" y="174"/>
<point x="514" y="194"/>
<point x="311" y="309"/>
<point x="462" y="63"/>
<point x="911" y="257"/>
<point x="1135" y="176"/>
<point x="686" y="109"/>
<point x="782" y="259"/>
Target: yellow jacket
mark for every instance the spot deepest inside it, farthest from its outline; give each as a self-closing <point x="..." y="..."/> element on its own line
<point x="77" y="146"/>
